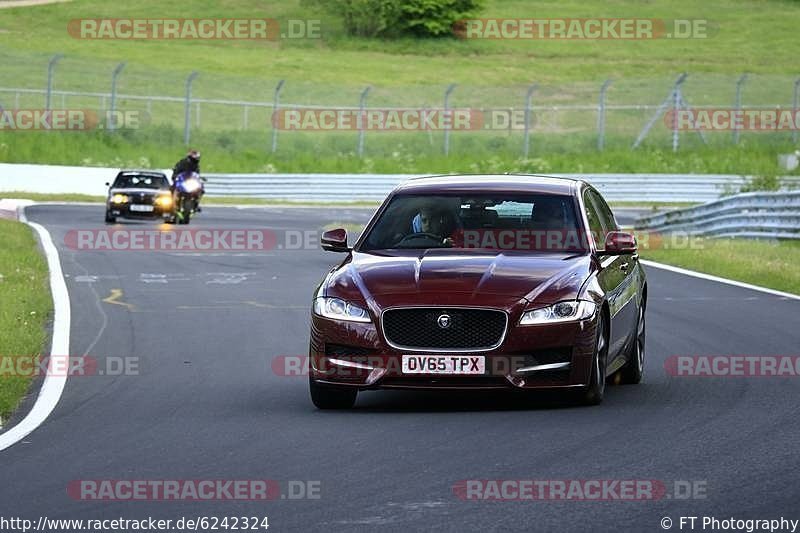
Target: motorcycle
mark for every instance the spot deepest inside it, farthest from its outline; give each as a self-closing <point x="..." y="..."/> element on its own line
<point x="188" y="188"/>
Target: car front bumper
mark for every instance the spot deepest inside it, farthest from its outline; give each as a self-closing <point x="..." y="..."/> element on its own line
<point x="551" y="356"/>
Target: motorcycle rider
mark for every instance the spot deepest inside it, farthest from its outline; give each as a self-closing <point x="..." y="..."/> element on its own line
<point x="190" y="163"/>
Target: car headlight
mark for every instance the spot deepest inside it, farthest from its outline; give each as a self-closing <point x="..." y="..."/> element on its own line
<point x="560" y="312"/>
<point x="119" y="199"/>
<point x="164" y="200"/>
<point x="339" y="309"/>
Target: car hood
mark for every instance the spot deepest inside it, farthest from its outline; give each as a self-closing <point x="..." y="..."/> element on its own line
<point x="459" y="277"/>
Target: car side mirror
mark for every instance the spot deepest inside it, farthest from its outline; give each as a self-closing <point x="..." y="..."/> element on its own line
<point x="620" y="243"/>
<point x="108" y="184"/>
<point x="335" y="240"/>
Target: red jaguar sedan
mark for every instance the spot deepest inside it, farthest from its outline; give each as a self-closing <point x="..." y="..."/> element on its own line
<point x="480" y="282"/>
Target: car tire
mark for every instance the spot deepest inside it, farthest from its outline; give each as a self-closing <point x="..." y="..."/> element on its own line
<point x="632" y="372"/>
<point x="109" y="218"/>
<point x="594" y="392"/>
<point x="331" y="397"/>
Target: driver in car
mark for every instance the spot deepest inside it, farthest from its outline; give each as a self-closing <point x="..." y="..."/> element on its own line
<point x="434" y="222"/>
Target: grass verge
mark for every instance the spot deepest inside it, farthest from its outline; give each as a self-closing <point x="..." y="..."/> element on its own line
<point x="767" y="263"/>
<point x="27" y="306"/>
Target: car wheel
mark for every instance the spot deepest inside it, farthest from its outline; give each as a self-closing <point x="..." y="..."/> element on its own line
<point x="331" y="397"/>
<point x="110" y="219"/>
<point x="593" y="393"/>
<point x="633" y="370"/>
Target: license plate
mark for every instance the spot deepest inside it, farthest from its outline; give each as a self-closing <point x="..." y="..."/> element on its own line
<point x="142" y="208"/>
<point x="444" y="364"/>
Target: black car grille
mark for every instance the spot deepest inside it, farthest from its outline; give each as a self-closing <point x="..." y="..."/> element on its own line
<point x="468" y="329"/>
<point x="141" y="198"/>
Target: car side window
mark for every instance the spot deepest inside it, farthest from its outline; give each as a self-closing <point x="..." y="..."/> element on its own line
<point x="606" y="215"/>
<point x="595" y="220"/>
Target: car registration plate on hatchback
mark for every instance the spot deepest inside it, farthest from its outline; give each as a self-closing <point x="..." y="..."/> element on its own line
<point x="444" y="364"/>
<point x="142" y="208"/>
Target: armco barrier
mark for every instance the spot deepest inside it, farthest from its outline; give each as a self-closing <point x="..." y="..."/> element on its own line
<point x="757" y="214"/>
<point x="364" y="187"/>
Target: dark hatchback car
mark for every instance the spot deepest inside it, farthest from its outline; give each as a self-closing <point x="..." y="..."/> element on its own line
<point x="139" y="194"/>
<point x="481" y="282"/>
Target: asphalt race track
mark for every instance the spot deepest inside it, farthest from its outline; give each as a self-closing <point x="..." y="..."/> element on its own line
<point x="206" y="404"/>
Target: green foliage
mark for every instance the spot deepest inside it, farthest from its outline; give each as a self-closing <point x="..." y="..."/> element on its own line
<point x="399" y="18"/>
<point x="762" y="183"/>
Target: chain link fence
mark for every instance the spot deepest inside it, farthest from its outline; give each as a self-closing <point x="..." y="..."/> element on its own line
<point x="236" y="111"/>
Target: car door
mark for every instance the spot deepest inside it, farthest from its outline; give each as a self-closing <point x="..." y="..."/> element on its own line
<point x="614" y="276"/>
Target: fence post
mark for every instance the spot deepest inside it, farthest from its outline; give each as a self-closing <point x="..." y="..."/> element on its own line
<point x="676" y="105"/>
<point x="275" y="101"/>
<point x="112" y="118"/>
<point x="361" y="104"/>
<point x="738" y="105"/>
<point x="601" y="116"/>
<point x="50" y="68"/>
<point x="526" y="138"/>
<point x="674" y="99"/>
<point x="795" y="105"/>
<point x="447" y="92"/>
<point x="244" y="118"/>
<point x="187" y="118"/>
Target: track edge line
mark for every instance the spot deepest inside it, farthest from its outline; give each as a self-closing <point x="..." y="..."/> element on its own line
<point x="709" y="277"/>
<point x="53" y="386"/>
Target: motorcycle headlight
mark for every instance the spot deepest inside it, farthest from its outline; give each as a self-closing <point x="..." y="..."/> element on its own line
<point x="191" y="185"/>
<point x="560" y="312"/>
<point x="119" y="199"/>
<point x="339" y="309"/>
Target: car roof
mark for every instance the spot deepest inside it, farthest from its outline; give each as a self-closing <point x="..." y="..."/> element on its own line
<point x="473" y="183"/>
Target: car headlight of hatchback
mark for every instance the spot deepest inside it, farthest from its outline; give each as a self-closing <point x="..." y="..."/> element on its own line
<point x="560" y="312"/>
<point x="339" y="309"/>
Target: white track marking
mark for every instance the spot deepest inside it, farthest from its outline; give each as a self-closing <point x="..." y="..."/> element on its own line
<point x="53" y="385"/>
<point x="726" y="281"/>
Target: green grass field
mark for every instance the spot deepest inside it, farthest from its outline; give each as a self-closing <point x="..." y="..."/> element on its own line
<point x="735" y="42"/>
<point x="26" y="307"/>
<point x="770" y="264"/>
<point x="334" y="69"/>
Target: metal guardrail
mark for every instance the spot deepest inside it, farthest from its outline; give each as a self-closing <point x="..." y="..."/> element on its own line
<point x="375" y="187"/>
<point x="757" y="214"/>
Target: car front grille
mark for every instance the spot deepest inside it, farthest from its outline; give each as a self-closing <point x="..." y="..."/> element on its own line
<point x="142" y="198"/>
<point x="428" y="329"/>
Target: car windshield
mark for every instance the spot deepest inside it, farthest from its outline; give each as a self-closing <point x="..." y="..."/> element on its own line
<point x="519" y="222"/>
<point x="138" y="181"/>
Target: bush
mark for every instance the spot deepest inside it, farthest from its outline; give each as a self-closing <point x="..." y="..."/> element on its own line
<point x="401" y="18"/>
